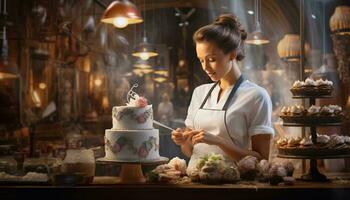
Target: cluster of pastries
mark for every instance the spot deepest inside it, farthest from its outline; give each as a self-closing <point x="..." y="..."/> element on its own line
<point x="322" y="141"/>
<point x="309" y="82"/>
<point x="299" y="110"/>
<point x="312" y="87"/>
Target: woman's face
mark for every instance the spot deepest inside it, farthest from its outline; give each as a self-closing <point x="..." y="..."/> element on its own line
<point x="214" y="62"/>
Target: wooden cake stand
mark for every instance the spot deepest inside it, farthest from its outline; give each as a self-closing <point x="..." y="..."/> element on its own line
<point x="131" y="171"/>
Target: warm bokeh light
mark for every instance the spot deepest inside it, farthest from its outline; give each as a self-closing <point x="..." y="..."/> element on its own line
<point x="144" y="56"/>
<point x="42" y="86"/>
<point x="120" y="22"/>
<point x="98" y="82"/>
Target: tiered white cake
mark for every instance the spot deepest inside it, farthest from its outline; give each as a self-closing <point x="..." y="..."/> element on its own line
<point x="132" y="137"/>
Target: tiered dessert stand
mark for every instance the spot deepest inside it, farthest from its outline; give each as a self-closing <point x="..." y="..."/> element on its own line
<point x="131" y="171"/>
<point x="313" y="174"/>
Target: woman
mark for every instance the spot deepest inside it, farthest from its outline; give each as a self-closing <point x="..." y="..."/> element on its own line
<point x="232" y="114"/>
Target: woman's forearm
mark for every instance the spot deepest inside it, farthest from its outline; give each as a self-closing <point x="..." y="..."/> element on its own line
<point x="234" y="151"/>
<point x="187" y="148"/>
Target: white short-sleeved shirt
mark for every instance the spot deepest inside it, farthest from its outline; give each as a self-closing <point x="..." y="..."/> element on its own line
<point x="249" y="112"/>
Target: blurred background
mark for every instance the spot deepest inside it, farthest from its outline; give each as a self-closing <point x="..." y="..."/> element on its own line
<point x="63" y="69"/>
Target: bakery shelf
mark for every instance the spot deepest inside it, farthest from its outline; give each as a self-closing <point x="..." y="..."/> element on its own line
<point x="311" y="96"/>
<point x="313" y="122"/>
<point x="310" y="125"/>
<point x="313" y="156"/>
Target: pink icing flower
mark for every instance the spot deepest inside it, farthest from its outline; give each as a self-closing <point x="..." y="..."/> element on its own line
<point x="143" y="152"/>
<point x="142" y="102"/>
<point x="116" y="148"/>
<point x="141" y="119"/>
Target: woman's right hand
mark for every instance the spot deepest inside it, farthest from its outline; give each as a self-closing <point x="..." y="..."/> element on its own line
<point x="179" y="136"/>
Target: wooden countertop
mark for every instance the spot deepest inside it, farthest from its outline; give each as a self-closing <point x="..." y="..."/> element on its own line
<point x="107" y="188"/>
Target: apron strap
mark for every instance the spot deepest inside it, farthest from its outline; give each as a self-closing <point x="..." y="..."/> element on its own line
<point x="206" y="97"/>
<point x="233" y="92"/>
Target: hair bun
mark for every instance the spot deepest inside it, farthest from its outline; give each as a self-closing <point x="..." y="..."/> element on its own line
<point x="227" y="20"/>
<point x="231" y="21"/>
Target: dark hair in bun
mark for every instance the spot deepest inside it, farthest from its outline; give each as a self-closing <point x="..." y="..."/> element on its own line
<point x="226" y="32"/>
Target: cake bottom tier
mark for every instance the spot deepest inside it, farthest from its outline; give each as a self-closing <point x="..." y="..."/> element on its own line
<point x="132" y="145"/>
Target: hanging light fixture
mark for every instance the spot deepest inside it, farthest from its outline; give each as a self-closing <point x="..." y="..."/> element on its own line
<point x="340" y="21"/>
<point x="121" y="13"/>
<point x="142" y="64"/>
<point x="257" y="37"/>
<point x="7" y="69"/>
<point x="160" y="79"/>
<point x="288" y="48"/>
<point x="145" y="50"/>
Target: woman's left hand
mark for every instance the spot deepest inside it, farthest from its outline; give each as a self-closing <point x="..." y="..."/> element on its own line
<point x="201" y="136"/>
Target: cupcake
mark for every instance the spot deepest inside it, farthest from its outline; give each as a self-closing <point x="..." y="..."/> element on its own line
<point x="298" y="84"/>
<point x="306" y="142"/>
<point x="326" y="111"/>
<point x="324" y="84"/>
<point x="293" y="142"/>
<point x="347" y="139"/>
<point x="322" y="140"/>
<point x="314" y="110"/>
<point x="310" y="83"/>
<point x="285" y="111"/>
<point x="282" y="142"/>
<point x="297" y="110"/>
<point x="336" y="141"/>
<point x="337" y="110"/>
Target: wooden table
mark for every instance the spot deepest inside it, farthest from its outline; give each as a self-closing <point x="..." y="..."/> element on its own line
<point x="105" y="189"/>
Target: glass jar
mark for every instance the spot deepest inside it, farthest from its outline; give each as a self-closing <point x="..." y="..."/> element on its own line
<point x="79" y="161"/>
<point x="8" y="165"/>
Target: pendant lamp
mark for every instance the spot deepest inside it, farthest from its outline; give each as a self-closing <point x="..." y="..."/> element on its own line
<point x="142" y="64"/>
<point x="121" y="13"/>
<point x="288" y="48"/>
<point x="257" y="37"/>
<point x="340" y="21"/>
<point x="160" y="79"/>
<point x="145" y="50"/>
<point x="7" y="69"/>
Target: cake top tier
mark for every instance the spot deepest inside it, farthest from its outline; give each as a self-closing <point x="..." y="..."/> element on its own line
<point x="135" y="100"/>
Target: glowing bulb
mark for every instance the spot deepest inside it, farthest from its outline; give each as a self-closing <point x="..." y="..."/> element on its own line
<point x="120" y="22"/>
<point x="42" y="86"/>
<point x="98" y="82"/>
<point x="144" y="56"/>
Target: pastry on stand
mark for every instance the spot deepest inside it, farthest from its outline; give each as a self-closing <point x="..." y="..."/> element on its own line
<point x="312" y="148"/>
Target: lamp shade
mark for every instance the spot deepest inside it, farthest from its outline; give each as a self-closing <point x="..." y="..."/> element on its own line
<point x="121" y="13"/>
<point x="257" y="38"/>
<point x="142" y="64"/>
<point x="7" y="70"/>
<point x="162" y="72"/>
<point x="160" y="79"/>
<point x="288" y="48"/>
<point x="340" y="21"/>
<point x="145" y="50"/>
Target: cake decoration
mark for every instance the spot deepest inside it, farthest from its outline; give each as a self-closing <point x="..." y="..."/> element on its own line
<point x="134" y="99"/>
